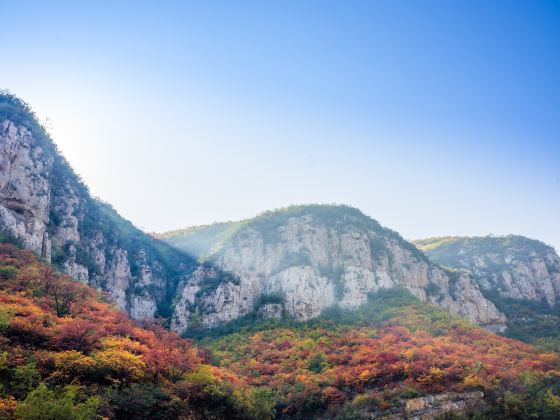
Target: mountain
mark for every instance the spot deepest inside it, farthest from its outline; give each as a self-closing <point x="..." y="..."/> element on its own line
<point x="520" y="275"/>
<point x="317" y="312"/>
<point x="514" y="266"/>
<point x="65" y="353"/>
<point x="301" y="260"/>
<point x="309" y="258"/>
<point x="393" y="357"/>
<point x="48" y="209"/>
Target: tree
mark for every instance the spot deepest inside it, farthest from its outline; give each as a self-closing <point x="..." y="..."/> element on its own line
<point x="64" y="294"/>
<point x="44" y="404"/>
<point x="77" y="334"/>
<point x="24" y="379"/>
<point x="120" y="366"/>
<point x="261" y="402"/>
<point x="317" y="363"/>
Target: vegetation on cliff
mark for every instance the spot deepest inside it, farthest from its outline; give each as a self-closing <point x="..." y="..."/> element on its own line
<point x="350" y="364"/>
<point x="532" y="321"/>
<point x="67" y="354"/>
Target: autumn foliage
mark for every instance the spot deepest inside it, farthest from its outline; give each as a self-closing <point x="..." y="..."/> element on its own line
<point x="363" y="363"/>
<point x="63" y="348"/>
<point x="66" y="353"/>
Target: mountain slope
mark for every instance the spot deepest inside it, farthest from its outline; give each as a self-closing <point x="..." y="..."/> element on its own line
<point x="514" y="266"/>
<point x="370" y="350"/>
<point x="66" y="354"/>
<point x="48" y="209"/>
<point x="520" y="275"/>
<point x="393" y="357"/>
<point x="301" y="260"/>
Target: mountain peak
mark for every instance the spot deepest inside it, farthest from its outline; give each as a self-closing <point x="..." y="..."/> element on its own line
<point x="309" y="258"/>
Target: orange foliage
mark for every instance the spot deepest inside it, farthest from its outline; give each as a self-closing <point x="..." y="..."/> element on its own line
<point x="72" y="336"/>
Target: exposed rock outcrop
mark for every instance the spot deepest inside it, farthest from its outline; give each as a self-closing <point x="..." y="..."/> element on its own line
<point x="513" y="266"/>
<point x="314" y="257"/>
<point x="24" y="188"/>
<point x="46" y="207"/>
<point x="437" y="405"/>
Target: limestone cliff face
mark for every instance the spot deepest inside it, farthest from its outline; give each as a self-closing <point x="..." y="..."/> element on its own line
<point x="24" y="188"/>
<point x="306" y="259"/>
<point x="45" y="206"/>
<point x="513" y="266"/>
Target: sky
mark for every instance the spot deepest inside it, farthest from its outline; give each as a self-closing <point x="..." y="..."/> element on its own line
<point x="433" y="117"/>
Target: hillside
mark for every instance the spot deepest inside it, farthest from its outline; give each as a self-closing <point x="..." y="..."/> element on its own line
<point x="393" y="356"/>
<point x="312" y="311"/>
<point x="47" y="208"/>
<point x="520" y="275"/>
<point x="67" y="354"/>
<point x="301" y="260"/>
<point x="308" y="257"/>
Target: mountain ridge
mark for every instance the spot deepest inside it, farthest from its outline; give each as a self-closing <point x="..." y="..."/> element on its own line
<point x="48" y="208"/>
<point x="514" y="265"/>
<point x="521" y="276"/>
<point x="314" y="256"/>
<point x="317" y="312"/>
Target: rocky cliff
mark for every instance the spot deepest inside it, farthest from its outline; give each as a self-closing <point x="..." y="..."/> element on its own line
<point x="301" y="260"/>
<point x="513" y="266"/>
<point x="45" y="207"/>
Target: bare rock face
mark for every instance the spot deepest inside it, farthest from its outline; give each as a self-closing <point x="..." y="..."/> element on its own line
<point x="438" y="405"/>
<point x="271" y="310"/>
<point x="45" y="206"/>
<point x="24" y="188"/>
<point x="314" y="257"/>
<point x="513" y="266"/>
<point x="292" y="263"/>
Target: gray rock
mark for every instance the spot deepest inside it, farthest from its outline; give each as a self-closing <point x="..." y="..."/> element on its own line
<point x="315" y="264"/>
<point x="49" y="215"/>
<point x="514" y="266"/>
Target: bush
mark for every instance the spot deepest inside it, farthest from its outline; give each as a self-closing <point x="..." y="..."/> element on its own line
<point x="45" y="404"/>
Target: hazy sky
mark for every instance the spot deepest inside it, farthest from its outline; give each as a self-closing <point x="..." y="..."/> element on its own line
<point x="435" y="118"/>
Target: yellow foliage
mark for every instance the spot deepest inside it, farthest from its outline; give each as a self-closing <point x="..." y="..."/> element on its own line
<point x="472" y="381"/>
<point x="73" y="362"/>
<point x="120" y="364"/>
<point x="115" y="342"/>
<point x="8" y="407"/>
<point x="409" y="354"/>
<point x="364" y="376"/>
<point x="436" y="373"/>
<point x="552" y="401"/>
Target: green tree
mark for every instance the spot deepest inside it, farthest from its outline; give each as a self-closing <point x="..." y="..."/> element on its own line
<point x="317" y="363"/>
<point x="45" y="404"/>
<point x="24" y="379"/>
<point x="261" y="401"/>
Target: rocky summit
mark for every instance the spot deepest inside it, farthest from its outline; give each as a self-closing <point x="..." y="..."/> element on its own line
<point x="301" y="260"/>
<point x="514" y="266"/>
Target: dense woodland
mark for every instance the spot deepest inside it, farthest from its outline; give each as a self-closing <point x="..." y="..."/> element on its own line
<point x="65" y="353"/>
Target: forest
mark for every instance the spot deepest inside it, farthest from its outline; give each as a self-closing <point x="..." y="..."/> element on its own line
<point x="67" y="353"/>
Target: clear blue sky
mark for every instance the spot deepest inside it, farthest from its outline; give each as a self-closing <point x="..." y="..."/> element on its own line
<point x="435" y="118"/>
